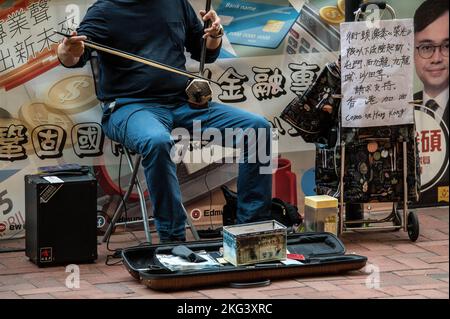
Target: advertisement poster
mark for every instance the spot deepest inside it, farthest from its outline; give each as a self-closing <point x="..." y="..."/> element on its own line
<point x="256" y="24"/>
<point x="432" y="119"/>
<point x="49" y="115"/>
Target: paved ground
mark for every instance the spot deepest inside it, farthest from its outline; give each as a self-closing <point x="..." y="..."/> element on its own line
<point x="407" y="270"/>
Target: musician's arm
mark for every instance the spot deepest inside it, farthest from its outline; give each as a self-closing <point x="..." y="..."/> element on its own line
<point x="93" y="27"/>
<point x="214" y="32"/>
<point x="213" y="44"/>
<point x="194" y="34"/>
<point x="70" y="50"/>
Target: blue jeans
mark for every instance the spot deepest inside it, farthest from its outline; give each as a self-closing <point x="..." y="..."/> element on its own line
<point x="145" y="128"/>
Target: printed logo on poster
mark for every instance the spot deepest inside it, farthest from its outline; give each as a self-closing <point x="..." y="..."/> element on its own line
<point x="196" y="214"/>
<point x="16" y="227"/>
<point x="432" y="140"/>
<point x="12" y="226"/>
<point x="212" y="212"/>
<point x="443" y="194"/>
<point x="101" y="221"/>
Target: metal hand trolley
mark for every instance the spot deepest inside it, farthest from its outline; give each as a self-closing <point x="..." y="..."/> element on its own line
<point x="408" y="220"/>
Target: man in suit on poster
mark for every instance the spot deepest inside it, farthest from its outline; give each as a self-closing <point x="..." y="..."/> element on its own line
<point x="431" y="29"/>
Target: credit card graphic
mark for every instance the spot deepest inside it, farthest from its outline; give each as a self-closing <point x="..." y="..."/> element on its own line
<point x="256" y="24"/>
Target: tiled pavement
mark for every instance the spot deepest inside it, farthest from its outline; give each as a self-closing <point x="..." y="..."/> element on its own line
<point x="406" y="270"/>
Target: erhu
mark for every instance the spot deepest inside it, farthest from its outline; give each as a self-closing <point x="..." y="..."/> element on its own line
<point x="198" y="89"/>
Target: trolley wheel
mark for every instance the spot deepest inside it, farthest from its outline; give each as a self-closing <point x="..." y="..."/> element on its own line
<point x="413" y="226"/>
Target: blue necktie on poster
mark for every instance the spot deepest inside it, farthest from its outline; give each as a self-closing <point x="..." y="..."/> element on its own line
<point x="256" y="24"/>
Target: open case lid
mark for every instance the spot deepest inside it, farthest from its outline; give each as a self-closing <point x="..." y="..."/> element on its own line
<point x="324" y="254"/>
<point x="313" y="245"/>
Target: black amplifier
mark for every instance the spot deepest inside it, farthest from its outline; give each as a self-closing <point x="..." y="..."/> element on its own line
<point x="60" y="219"/>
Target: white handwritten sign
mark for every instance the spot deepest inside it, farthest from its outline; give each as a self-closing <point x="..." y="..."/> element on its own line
<point x="377" y="73"/>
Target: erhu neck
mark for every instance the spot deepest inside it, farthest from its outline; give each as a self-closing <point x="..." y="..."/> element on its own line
<point x="206" y="25"/>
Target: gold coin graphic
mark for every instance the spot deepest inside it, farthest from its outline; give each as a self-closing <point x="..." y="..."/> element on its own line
<point x="73" y="94"/>
<point x="36" y="114"/>
<point x="7" y="121"/>
<point x="341" y="6"/>
<point x="331" y="14"/>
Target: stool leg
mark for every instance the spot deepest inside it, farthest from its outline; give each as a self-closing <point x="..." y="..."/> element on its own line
<point x="135" y="181"/>
<point x="191" y="225"/>
<point x="118" y="213"/>
<point x="144" y="213"/>
<point x="116" y="216"/>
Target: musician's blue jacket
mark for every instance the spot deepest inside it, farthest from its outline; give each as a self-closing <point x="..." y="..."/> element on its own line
<point x="158" y="29"/>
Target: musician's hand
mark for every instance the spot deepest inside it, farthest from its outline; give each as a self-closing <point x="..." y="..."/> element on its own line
<point x="71" y="49"/>
<point x="216" y="28"/>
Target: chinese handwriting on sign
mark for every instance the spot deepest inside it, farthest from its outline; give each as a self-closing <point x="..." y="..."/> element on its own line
<point x="377" y="73"/>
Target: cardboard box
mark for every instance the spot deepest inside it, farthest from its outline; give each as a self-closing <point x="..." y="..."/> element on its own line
<point x="254" y="243"/>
